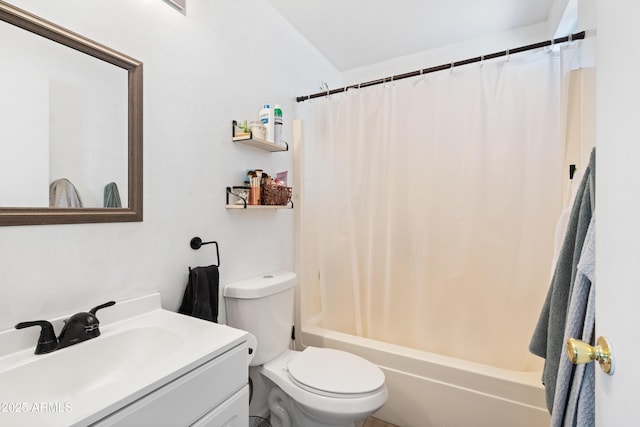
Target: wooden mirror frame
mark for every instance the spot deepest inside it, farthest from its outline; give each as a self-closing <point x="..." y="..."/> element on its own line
<point x="133" y="211"/>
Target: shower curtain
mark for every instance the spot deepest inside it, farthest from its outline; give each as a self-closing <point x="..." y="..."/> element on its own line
<point x="429" y="206"/>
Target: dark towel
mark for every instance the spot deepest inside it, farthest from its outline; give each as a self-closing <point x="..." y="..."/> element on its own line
<point x="548" y="337"/>
<point x="201" y="294"/>
<point x="112" y="196"/>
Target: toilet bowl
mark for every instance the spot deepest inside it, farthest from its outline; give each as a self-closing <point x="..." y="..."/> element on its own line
<point x="316" y="387"/>
<point x="321" y="387"/>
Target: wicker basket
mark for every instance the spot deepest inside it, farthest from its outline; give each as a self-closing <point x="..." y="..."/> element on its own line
<point x="272" y="194"/>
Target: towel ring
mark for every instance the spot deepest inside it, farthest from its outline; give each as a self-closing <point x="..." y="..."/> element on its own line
<point x="197" y="243"/>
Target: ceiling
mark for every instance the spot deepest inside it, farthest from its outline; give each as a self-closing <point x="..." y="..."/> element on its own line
<point x="355" y="33"/>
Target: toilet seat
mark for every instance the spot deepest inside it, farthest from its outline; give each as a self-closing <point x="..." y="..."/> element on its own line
<point x="335" y="373"/>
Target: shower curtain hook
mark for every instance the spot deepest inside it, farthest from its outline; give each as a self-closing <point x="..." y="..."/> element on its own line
<point x="324" y="86"/>
<point x="451" y="69"/>
<point x="481" y="61"/>
<point x="508" y="55"/>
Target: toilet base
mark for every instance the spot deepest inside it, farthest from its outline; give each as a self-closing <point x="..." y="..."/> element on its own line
<point x="260" y="387"/>
<point x="287" y="413"/>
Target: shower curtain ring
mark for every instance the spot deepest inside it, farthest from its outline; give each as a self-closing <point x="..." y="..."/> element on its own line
<point x="508" y="55"/>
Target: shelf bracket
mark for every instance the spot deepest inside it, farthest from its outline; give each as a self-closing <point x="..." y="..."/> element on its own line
<point x="244" y="199"/>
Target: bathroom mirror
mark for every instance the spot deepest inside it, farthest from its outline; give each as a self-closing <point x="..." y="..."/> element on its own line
<point x="71" y="112"/>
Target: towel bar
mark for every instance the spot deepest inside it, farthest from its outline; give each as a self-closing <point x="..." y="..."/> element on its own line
<point x="197" y="242"/>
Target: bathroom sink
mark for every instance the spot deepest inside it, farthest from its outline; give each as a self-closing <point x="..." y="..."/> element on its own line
<point x="137" y="352"/>
<point x="69" y="372"/>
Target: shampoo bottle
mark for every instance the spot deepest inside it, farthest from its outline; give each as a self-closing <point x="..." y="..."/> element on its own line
<point x="266" y="117"/>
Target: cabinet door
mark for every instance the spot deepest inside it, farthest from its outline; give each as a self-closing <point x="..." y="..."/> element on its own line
<point x="234" y="412"/>
<point x="186" y="399"/>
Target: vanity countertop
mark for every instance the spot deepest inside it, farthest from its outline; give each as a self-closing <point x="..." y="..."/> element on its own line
<point x="141" y="347"/>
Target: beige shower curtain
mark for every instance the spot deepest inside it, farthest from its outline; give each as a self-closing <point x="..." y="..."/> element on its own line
<point x="430" y="206"/>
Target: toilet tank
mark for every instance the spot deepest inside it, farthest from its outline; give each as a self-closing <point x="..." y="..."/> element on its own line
<point x="263" y="306"/>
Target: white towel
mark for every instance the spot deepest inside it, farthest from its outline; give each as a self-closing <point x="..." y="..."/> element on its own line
<point x="62" y="194"/>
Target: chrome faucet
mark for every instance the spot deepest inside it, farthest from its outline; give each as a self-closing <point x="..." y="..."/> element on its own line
<point x="79" y="327"/>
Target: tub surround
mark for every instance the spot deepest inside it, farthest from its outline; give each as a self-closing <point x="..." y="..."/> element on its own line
<point x="141" y="348"/>
<point x="429" y="390"/>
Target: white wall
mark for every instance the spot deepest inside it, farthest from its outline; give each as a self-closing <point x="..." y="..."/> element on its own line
<point x="201" y="70"/>
<point x="447" y="54"/>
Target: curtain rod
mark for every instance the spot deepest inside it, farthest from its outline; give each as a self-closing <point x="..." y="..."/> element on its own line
<point x="569" y="38"/>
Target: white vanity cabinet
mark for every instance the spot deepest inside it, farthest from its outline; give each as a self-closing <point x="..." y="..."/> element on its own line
<point x="215" y="394"/>
<point x="149" y="367"/>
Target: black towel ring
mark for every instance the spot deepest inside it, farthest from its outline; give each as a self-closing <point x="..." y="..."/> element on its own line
<point x="197" y="242"/>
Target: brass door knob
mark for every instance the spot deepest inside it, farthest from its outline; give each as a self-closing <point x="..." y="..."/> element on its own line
<point x="581" y="352"/>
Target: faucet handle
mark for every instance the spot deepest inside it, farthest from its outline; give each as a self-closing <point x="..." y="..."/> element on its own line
<point x="47" y="341"/>
<point x="101" y="306"/>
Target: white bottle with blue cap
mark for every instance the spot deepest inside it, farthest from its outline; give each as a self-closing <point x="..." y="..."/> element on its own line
<point x="266" y="117"/>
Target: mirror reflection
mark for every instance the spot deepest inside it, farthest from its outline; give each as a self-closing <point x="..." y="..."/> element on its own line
<point x="63" y="124"/>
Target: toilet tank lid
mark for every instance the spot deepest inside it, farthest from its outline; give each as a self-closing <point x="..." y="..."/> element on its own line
<point x="261" y="286"/>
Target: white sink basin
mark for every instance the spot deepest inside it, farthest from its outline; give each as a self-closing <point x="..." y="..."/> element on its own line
<point x="87" y="366"/>
<point x="135" y="353"/>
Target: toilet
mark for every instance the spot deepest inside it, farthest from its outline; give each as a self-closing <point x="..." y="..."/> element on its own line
<point x="315" y="387"/>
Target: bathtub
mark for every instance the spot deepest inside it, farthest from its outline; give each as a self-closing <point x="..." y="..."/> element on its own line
<point x="431" y="390"/>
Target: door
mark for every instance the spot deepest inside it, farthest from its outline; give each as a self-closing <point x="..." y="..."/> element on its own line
<point x="618" y="209"/>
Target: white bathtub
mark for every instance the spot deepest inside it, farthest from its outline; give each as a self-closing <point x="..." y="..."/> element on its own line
<point x="430" y="390"/>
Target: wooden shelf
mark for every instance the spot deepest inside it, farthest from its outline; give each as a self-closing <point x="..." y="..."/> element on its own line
<point x="261" y="144"/>
<point x="289" y="206"/>
<point x="245" y="205"/>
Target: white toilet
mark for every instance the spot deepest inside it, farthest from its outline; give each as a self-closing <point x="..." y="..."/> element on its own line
<point x="315" y="387"/>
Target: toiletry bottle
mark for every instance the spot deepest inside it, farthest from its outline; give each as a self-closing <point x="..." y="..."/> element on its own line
<point x="266" y="117"/>
<point x="277" y="125"/>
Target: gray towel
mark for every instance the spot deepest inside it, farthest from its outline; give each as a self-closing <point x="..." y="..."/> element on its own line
<point x="574" y="400"/>
<point x="112" y="196"/>
<point x="62" y="194"/>
<point x="548" y="337"/>
<point x="201" y="294"/>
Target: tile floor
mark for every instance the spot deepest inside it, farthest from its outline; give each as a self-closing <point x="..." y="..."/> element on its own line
<point x="374" y="422"/>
